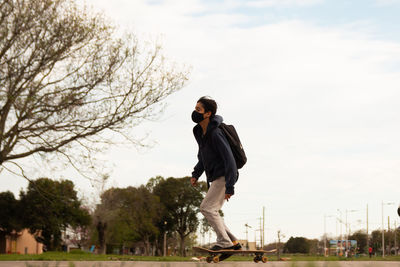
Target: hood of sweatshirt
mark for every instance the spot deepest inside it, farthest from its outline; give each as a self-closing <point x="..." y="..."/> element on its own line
<point x="215" y="121"/>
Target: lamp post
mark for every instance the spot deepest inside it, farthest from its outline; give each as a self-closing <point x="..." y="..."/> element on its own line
<point x="348" y="228"/>
<point x="165" y="239"/>
<point x="325" y="216"/>
<point x="367" y="230"/>
<point x="341" y="239"/>
<point x="383" y="229"/>
<point x="247" y="235"/>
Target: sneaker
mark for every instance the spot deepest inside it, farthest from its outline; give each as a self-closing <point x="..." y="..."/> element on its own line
<point x="216" y="248"/>
<point x="237" y="247"/>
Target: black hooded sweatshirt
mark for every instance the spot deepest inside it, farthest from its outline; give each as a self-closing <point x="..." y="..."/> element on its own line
<point x="215" y="155"/>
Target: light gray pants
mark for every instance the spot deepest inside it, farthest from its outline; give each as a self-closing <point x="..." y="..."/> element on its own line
<point x="210" y="207"/>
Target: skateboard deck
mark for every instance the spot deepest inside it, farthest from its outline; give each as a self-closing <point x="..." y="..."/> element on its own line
<point x="217" y="256"/>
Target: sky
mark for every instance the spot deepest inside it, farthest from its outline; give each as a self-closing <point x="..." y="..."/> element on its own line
<point x="312" y="87"/>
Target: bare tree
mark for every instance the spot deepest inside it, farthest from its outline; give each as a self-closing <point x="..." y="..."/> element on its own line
<point x="67" y="81"/>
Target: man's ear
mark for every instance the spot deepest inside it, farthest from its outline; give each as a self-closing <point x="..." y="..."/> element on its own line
<point x="207" y="114"/>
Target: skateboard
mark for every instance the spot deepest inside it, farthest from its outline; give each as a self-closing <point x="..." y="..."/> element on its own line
<point x="220" y="255"/>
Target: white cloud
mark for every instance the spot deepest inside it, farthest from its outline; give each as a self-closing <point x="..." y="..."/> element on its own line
<point x="282" y="3"/>
<point x="387" y="2"/>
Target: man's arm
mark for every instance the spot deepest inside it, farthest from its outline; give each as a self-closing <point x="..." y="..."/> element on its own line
<point x="198" y="169"/>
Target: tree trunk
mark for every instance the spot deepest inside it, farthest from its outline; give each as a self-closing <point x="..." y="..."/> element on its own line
<point x="182" y="245"/>
<point x="2" y="242"/>
<point x="101" y="229"/>
<point x="46" y="237"/>
<point x="147" y="245"/>
<point x="56" y="241"/>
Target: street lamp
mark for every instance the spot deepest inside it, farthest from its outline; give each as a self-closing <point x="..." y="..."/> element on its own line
<point x="326" y="216"/>
<point x="383" y="229"/>
<point x="165" y="238"/>
<point x="247" y="235"/>
<point x="341" y="239"/>
<point x="348" y="228"/>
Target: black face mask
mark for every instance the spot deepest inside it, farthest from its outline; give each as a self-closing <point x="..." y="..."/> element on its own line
<point x="197" y="117"/>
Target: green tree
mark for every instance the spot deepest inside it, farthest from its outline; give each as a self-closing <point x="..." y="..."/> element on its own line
<point x="181" y="204"/>
<point x="361" y="238"/>
<point x="49" y="208"/>
<point x="106" y="218"/>
<point x="141" y="211"/>
<point x="10" y="213"/>
<point x="130" y="215"/>
<point x="10" y="217"/>
<point x="376" y="240"/>
<point x="392" y="240"/>
<point x="314" y="246"/>
<point x="297" y="245"/>
<point x="67" y="80"/>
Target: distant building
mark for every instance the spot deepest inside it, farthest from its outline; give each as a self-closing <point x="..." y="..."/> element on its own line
<point x="248" y="245"/>
<point x="20" y="243"/>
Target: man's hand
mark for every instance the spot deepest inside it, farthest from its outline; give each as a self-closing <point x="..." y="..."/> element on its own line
<point x="227" y="196"/>
<point x="193" y="181"/>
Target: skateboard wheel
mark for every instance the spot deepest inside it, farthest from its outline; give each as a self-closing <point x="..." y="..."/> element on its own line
<point x="216" y="259"/>
<point x="264" y="259"/>
<point x="209" y="259"/>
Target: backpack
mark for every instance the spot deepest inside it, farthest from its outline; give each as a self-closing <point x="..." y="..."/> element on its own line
<point x="235" y="144"/>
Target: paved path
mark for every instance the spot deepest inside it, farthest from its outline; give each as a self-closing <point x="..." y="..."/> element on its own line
<point x="195" y="264"/>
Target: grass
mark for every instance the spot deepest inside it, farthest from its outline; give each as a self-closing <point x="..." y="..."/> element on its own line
<point x="299" y="257"/>
<point x="85" y="256"/>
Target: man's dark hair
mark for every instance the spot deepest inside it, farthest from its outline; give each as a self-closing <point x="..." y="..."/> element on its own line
<point x="209" y="104"/>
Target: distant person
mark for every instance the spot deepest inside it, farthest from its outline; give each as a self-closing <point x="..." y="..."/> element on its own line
<point x="370" y="251"/>
<point x="216" y="159"/>
<point x="340" y="246"/>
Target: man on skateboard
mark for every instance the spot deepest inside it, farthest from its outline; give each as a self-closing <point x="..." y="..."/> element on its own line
<point x="216" y="159"/>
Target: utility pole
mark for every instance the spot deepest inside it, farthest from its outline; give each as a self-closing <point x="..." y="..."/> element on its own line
<point x="367" y="230"/>
<point x="247" y="235"/>
<point x="336" y="236"/>
<point x="389" y="234"/>
<point x="395" y="239"/>
<point x="255" y="237"/>
<point x="325" y="248"/>
<point x="341" y="239"/>
<point x="165" y="239"/>
<point x="346" y="235"/>
<point x="325" y="235"/>
<point x="261" y="232"/>
<point x="383" y="235"/>
<point x="383" y="230"/>
<point x="263" y="229"/>
<point x="279" y="245"/>
<point x="165" y="244"/>
<point x="348" y="229"/>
